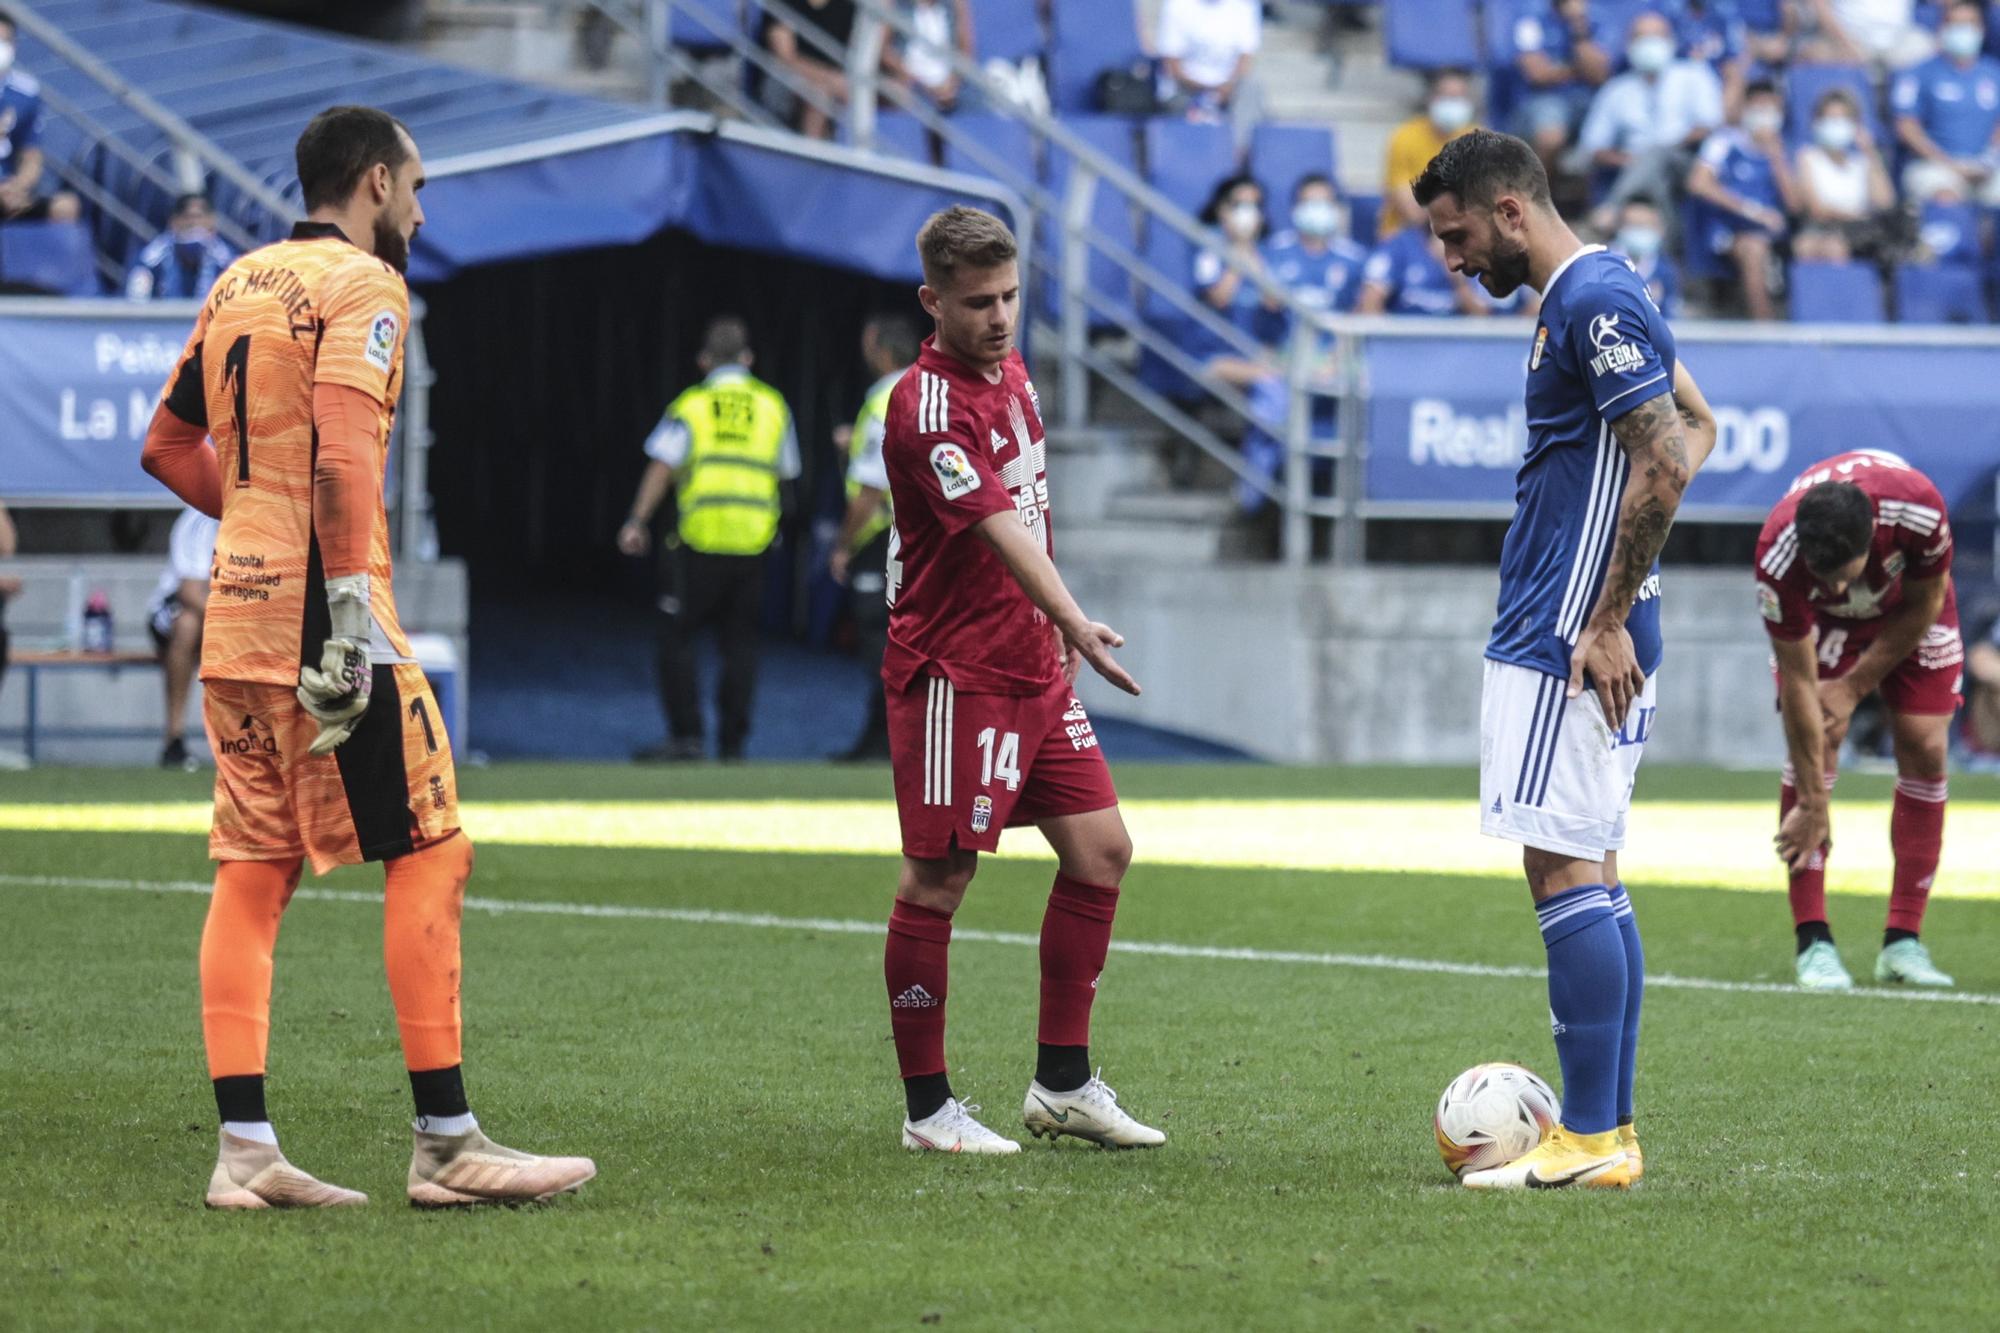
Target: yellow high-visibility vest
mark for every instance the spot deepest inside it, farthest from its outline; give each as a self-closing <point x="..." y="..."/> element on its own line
<point x="728" y="487"/>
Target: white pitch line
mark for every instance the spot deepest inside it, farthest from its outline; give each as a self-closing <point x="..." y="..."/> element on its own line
<point x="1146" y="948"/>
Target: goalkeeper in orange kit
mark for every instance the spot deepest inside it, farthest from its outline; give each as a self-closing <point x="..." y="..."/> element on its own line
<point x="327" y="740"/>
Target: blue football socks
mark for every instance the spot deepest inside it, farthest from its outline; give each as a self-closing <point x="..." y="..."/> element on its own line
<point x="1586" y="1002"/>
<point x="1635" y="990"/>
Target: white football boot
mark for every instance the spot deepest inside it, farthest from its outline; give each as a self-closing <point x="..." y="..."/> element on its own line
<point x="951" y="1128"/>
<point x="1820" y="968"/>
<point x="1090" y="1112"/>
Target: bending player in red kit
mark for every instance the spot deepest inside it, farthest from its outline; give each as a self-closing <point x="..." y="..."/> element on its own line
<point x="984" y="731"/>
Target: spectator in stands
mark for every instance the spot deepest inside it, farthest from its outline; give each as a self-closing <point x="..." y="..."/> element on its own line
<point x="923" y="63"/>
<point x="1316" y="260"/>
<point x="1406" y="275"/>
<point x="1716" y="33"/>
<point x="1948" y="116"/>
<point x="1743" y="174"/>
<point x="1847" y="205"/>
<point x="1877" y="33"/>
<point x="1236" y="210"/>
<point x="1646" y="124"/>
<point x="1642" y="238"/>
<point x="1206" y="48"/>
<point x="174" y="618"/>
<point x="1770" y="31"/>
<point x="20" y="156"/>
<point x="1449" y="111"/>
<point x="182" y="262"/>
<point x="1562" y="56"/>
<point x="1982" y="713"/>
<point x="825" y="74"/>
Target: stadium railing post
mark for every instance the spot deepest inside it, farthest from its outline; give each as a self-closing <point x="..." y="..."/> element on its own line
<point x="1350" y="369"/>
<point x="1297" y="539"/>
<point x="1075" y="265"/>
<point x="864" y="61"/>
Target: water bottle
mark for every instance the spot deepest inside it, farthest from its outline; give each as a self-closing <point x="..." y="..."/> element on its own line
<point x="97" y="623"/>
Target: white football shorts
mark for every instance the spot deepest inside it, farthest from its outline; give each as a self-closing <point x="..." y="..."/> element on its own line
<point x="1552" y="774"/>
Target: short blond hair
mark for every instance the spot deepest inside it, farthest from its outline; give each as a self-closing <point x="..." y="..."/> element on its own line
<point x="961" y="236"/>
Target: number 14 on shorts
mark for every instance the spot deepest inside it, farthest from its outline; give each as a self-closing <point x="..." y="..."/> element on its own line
<point x="1000" y="757"/>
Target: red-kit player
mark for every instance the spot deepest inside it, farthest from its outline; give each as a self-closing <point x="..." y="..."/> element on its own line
<point x="984" y="731"/>
<point x="1854" y="583"/>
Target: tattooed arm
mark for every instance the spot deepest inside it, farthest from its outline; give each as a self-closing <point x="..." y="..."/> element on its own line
<point x="1697" y="420"/>
<point x="1652" y="437"/>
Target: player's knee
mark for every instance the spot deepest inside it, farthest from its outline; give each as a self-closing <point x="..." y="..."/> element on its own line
<point x="938" y="884"/>
<point x="1112" y="859"/>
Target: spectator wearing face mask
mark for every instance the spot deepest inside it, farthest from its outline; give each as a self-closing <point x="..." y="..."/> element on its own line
<point x="1646" y="123"/>
<point x="1743" y="174"/>
<point x="182" y="262"/>
<point x="1716" y="33"/>
<point x="1881" y="33"/>
<point x="1844" y="192"/>
<point x="1948" y="116"/>
<point x="1236" y="210"/>
<point x="1316" y="260"/>
<point x="1642" y="238"/>
<point x="1448" y="112"/>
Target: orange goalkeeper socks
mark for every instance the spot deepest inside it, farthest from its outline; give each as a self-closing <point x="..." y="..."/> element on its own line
<point x="420" y="922"/>
<point x="236" y="944"/>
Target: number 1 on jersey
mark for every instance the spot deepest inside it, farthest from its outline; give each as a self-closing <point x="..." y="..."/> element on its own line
<point x="236" y="373"/>
<point x="1001" y="761"/>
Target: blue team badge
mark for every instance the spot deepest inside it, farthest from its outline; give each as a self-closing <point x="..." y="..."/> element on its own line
<point x="1541" y="341"/>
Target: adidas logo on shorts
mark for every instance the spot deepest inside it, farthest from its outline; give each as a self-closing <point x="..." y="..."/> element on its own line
<point x="916" y="997"/>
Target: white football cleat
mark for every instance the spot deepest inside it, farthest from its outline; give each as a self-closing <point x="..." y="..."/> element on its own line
<point x="951" y="1128"/>
<point x="1090" y="1112"/>
<point x="455" y="1170"/>
<point x="249" y="1174"/>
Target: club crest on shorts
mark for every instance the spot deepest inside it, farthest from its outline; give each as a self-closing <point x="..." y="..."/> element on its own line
<point x="982" y="813"/>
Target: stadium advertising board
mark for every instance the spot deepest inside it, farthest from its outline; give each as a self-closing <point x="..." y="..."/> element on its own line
<point x="1446" y="426"/>
<point x="76" y="393"/>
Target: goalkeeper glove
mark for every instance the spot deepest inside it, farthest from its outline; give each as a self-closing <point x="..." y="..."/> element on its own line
<point x="336" y="692"/>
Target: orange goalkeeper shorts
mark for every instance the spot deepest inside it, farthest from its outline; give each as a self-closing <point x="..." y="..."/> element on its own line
<point x="389" y="786"/>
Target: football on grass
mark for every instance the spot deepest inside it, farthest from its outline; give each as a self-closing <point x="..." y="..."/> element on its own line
<point x="1493" y="1113"/>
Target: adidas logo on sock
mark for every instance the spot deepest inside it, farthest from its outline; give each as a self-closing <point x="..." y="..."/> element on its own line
<point x="916" y="997"/>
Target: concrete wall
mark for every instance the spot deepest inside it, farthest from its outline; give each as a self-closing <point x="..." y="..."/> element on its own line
<point x="1383" y="665"/>
<point x="429" y="599"/>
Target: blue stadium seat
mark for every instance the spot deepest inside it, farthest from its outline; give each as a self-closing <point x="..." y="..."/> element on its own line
<point x="1430" y="34"/>
<point x="1504" y="84"/>
<point x="1007" y="30"/>
<point x="1185" y="161"/>
<point x="1282" y="155"/>
<point x="1364" y="217"/>
<point x="1836" y="294"/>
<point x="900" y="134"/>
<point x="1111" y="214"/>
<point x="1003" y="137"/>
<point x="1805" y="83"/>
<point x="1939" y="294"/>
<point x="1089" y="37"/>
<point x="1950" y="232"/>
<point x="48" y="256"/>
<point x="702" y="26"/>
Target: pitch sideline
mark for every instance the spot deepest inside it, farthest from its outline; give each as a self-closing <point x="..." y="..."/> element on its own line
<point x="1143" y="948"/>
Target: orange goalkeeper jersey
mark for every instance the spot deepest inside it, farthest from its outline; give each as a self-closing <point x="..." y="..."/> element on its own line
<point x="311" y="309"/>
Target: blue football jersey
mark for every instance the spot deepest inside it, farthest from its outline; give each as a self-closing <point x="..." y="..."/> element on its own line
<point x="1601" y="349"/>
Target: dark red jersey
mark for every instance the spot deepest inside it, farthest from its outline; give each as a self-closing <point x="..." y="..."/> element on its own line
<point x="1912" y="541"/>
<point x="959" y="449"/>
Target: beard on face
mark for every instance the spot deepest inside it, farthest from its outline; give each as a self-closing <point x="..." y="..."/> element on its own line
<point x="390" y="245"/>
<point x="1509" y="270"/>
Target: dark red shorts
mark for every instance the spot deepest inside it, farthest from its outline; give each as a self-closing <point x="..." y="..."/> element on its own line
<point x="968" y="765"/>
<point x="1931" y="680"/>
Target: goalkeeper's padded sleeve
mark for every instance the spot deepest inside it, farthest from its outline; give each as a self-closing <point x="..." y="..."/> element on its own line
<point x="180" y="457"/>
<point x="347" y="477"/>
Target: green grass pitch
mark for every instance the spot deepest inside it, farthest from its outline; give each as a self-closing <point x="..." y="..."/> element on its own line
<point x="717" y="1038"/>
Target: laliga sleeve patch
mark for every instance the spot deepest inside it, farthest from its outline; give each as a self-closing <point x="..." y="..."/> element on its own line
<point x="954" y="471"/>
<point x="1767" y="603"/>
<point x="381" y="349"/>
